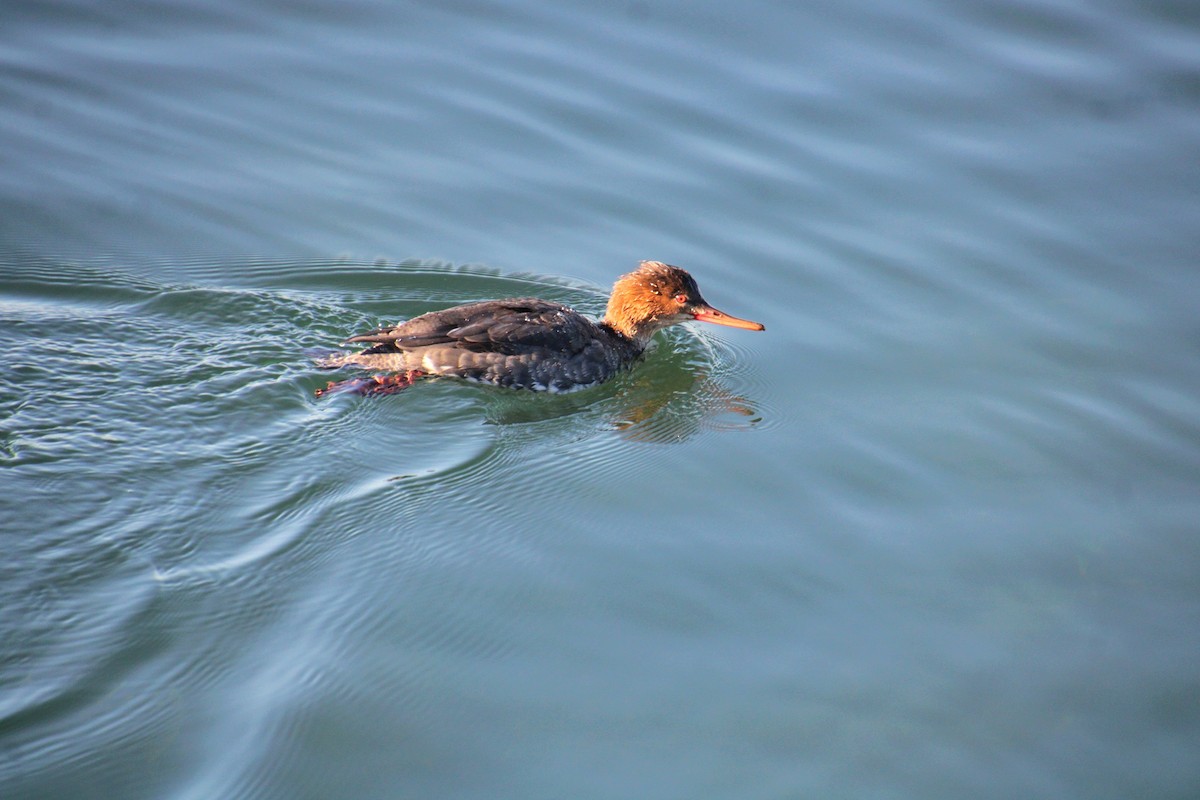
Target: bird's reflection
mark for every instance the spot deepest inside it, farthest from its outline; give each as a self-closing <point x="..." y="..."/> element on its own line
<point x="666" y="402"/>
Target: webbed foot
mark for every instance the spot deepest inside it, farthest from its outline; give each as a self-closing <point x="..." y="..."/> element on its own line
<point x="375" y="385"/>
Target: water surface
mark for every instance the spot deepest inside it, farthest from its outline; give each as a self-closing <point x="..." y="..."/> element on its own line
<point x="932" y="534"/>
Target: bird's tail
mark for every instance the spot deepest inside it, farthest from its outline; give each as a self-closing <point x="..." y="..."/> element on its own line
<point x="330" y="359"/>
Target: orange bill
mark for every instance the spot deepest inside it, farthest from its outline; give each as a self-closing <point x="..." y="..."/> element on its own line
<point x="706" y="313"/>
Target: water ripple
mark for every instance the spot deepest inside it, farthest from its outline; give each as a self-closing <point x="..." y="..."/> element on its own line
<point x="213" y="474"/>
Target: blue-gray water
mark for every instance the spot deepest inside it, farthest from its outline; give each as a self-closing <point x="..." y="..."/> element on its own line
<point x="934" y="534"/>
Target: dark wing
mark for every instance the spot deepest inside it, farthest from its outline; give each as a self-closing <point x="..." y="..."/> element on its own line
<point x="503" y="326"/>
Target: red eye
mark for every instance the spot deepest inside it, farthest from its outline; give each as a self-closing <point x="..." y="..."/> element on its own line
<point x="681" y="298"/>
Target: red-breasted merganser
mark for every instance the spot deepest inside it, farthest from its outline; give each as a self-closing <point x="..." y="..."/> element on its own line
<point x="528" y="343"/>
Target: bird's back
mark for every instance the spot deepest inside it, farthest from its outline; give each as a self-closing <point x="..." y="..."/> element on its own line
<point x="524" y="343"/>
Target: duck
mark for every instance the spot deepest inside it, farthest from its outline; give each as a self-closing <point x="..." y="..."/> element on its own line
<point x="528" y="343"/>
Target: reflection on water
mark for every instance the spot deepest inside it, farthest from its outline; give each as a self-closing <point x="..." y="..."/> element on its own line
<point x="667" y="401"/>
<point x="673" y="405"/>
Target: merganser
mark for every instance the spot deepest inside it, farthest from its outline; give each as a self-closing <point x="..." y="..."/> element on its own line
<point x="533" y="344"/>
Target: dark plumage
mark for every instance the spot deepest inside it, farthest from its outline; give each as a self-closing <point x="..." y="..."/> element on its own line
<point x="535" y="344"/>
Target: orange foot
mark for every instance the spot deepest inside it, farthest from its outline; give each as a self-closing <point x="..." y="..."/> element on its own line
<point x="375" y="385"/>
